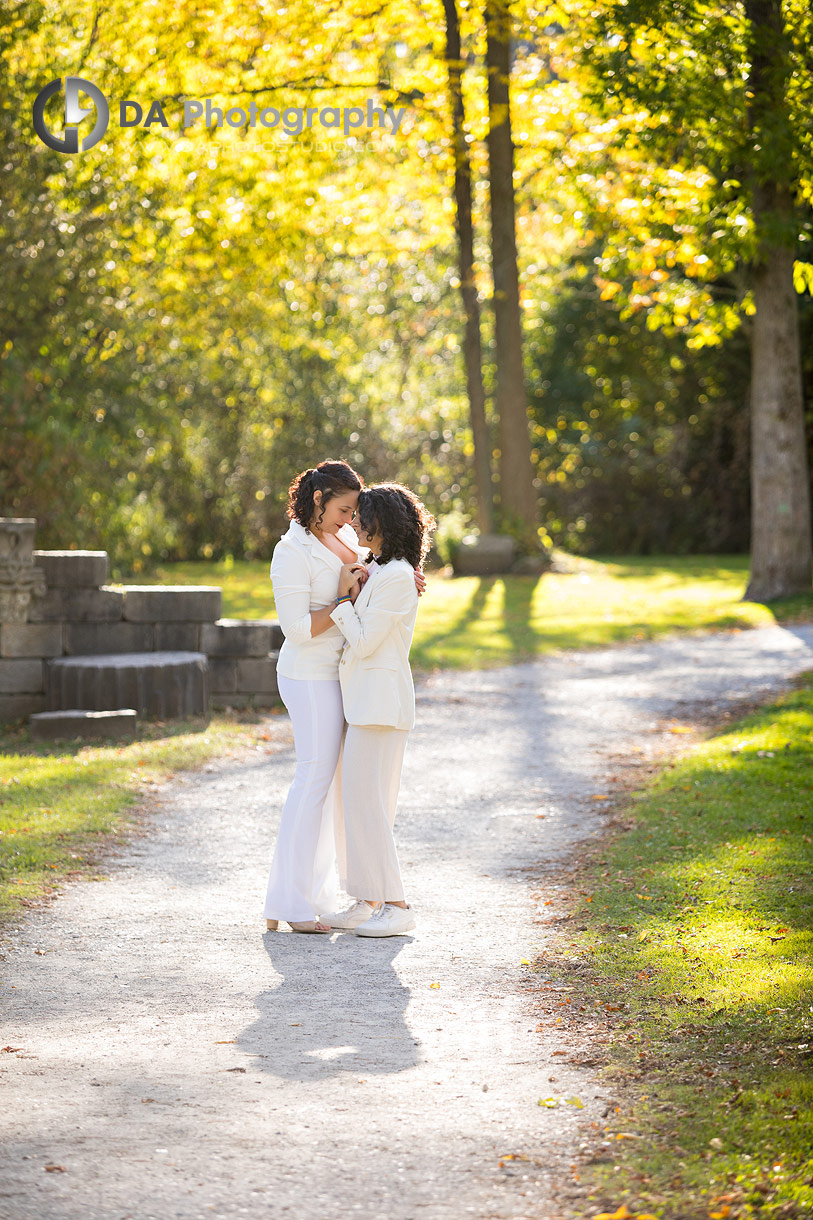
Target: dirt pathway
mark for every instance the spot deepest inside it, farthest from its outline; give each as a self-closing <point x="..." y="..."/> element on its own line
<point x="177" y="1062"/>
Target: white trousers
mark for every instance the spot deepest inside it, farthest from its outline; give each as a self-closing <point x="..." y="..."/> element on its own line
<point x="372" y="760"/>
<point x="302" y="883"/>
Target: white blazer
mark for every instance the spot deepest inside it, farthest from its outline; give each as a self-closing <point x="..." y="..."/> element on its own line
<point x="374" y="669"/>
<point x="305" y="576"/>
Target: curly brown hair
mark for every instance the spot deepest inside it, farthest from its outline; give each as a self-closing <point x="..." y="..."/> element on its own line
<point x="396" y="513"/>
<point x="331" y="478"/>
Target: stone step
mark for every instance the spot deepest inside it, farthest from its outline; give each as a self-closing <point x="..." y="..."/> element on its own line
<point x="161" y="684"/>
<point x="119" y="723"/>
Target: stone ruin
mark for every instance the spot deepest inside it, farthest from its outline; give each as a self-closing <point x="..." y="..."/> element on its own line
<point x="84" y="658"/>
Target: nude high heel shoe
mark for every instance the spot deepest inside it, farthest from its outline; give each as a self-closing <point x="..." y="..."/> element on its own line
<point x="310" y="925"/>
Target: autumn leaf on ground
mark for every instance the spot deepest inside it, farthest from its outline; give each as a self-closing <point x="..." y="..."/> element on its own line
<point x="550" y="1102"/>
<point x="55" y="1169"/>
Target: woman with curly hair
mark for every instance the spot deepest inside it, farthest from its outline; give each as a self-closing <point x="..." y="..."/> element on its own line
<point x="376" y="616"/>
<point x="307" y="562"/>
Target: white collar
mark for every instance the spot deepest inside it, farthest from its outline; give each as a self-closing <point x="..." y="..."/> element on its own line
<point x="297" y="533"/>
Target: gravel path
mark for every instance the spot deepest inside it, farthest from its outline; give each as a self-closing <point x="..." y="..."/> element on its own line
<point x="177" y="1062"/>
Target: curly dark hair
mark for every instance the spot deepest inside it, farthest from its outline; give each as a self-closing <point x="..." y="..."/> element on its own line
<point x="398" y="515"/>
<point x="331" y="478"/>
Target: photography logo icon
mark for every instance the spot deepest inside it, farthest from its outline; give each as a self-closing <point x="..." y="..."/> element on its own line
<point x="74" y="115"/>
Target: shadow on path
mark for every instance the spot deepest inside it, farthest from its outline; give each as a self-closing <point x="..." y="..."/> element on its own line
<point x="339" y="1007"/>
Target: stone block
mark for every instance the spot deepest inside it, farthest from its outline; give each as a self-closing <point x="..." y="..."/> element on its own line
<point x="30" y="640"/>
<point x="57" y="726"/>
<point x="78" y="606"/>
<point x="172" y="603"/>
<point x="93" y="638"/>
<point x="73" y="569"/>
<point x="21" y="677"/>
<point x="17" y="539"/>
<point x="484" y="555"/>
<point x="175" y="637"/>
<point x="234" y="637"/>
<point x="223" y="673"/>
<point x="15" y="707"/>
<point x="163" y="684"/>
<point x="257" y="675"/>
<point x="261" y="700"/>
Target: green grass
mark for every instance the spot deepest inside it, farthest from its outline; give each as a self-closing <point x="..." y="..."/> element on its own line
<point x="695" y="943"/>
<point x="60" y="803"/>
<point x="474" y="622"/>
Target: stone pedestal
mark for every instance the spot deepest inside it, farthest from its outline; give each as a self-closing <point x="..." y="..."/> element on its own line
<point x="485" y="555"/>
<point x="20" y="580"/>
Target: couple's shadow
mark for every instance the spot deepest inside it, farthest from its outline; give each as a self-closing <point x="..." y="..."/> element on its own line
<point x="338" y="1008"/>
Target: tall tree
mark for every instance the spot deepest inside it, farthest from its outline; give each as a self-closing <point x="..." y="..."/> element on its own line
<point x="716" y="102"/>
<point x="518" y="497"/>
<point x="472" y="347"/>
<point x="781" y="555"/>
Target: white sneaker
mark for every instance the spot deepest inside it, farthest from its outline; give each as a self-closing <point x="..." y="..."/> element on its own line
<point x="388" y="920"/>
<point x="358" y="913"/>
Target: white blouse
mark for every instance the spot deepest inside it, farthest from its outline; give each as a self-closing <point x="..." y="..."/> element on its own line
<point x="305" y="577"/>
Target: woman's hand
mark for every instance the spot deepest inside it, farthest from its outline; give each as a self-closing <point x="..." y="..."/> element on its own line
<point x="351" y="580"/>
<point x="420" y="582"/>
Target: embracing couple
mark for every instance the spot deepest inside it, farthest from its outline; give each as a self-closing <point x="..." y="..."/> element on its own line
<point x="346" y="578"/>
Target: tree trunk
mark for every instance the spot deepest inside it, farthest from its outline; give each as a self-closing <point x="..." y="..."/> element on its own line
<point x="518" y="497"/>
<point x="472" y="349"/>
<point x="780" y="499"/>
<point x="781" y="552"/>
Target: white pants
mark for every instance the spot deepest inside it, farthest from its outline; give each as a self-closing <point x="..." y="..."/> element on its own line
<point x="302" y="883"/>
<point x="372" y="760"/>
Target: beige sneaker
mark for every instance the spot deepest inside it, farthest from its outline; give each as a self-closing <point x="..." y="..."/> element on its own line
<point x="358" y="913"/>
<point x="388" y="920"/>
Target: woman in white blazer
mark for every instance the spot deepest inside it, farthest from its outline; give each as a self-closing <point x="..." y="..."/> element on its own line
<point x="305" y="568"/>
<point x="377" y="619"/>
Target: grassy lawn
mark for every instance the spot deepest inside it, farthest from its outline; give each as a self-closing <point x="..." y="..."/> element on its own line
<point x="60" y="803"/>
<point x="474" y="622"/>
<point x="692" y="954"/>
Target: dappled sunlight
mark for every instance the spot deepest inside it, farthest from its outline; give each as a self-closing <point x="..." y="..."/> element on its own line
<point x="480" y="621"/>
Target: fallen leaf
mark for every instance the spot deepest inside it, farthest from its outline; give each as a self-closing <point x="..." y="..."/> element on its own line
<point x="146" y="1100"/>
<point x="230" y="1042"/>
<point x="574" y="1101"/>
<point x="12" y="1049"/>
<point x="550" y="1102"/>
<point x="434" y="986"/>
<point x="720" y="1214"/>
<point x="55" y="1169"/>
<point x="523" y="961"/>
<point x="235" y="1069"/>
<point x="600" y="796"/>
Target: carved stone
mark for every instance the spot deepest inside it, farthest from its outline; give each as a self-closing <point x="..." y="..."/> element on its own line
<point x="20" y="580"/>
